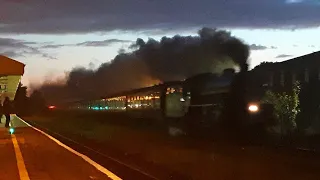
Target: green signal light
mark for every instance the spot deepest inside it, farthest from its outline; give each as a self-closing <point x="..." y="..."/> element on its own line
<point x="11" y="130"/>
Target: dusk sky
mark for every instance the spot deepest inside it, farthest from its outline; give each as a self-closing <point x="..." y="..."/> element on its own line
<point x="53" y="36"/>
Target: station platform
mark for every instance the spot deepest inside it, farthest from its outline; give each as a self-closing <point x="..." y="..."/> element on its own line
<point x="29" y="154"/>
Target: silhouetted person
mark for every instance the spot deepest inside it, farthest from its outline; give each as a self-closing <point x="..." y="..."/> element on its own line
<point x="7" y="109"/>
<point x="1" y="111"/>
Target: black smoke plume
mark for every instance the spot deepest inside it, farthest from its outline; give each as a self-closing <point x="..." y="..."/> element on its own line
<point x="152" y="61"/>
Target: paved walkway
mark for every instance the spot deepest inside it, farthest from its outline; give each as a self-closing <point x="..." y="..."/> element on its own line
<point x="31" y="155"/>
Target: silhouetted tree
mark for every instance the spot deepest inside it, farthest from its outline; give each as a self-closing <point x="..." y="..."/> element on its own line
<point x="263" y="64"/>
<point x="37" y="102"/>
<point x="21" y="101"/>
<point x="286" y="107"/>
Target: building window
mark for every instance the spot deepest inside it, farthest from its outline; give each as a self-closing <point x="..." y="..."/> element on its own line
<point x="306" y="75"/>
<point x="282" y="78"/>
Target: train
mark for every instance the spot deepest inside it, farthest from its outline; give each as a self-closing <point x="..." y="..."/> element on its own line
<point x="203" y="94"/>
<point x="162" y="100"/>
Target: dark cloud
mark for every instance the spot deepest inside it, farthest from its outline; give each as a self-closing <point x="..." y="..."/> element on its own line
<point x="154" y="61"/>
<point x="82" y="16"/>
<point x="283" y="56"/>
<point x="11" y="54"/>
<point x="92" y="65"/>
<point x="258" y="47"/>
<point x="47" y="56"/>
<point x="103" y="43"/>
<point x="107" y="42"/>
<point x="53" y="46"/>
<point x="19" y="48"/>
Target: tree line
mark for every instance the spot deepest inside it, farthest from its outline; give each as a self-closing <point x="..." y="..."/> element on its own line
<point x="25" y="105"/>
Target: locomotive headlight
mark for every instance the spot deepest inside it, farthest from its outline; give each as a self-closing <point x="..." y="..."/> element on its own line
<point x="253" y="108"/>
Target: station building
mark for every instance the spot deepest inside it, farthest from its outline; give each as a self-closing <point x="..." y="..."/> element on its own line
<point x="11" y="72"/>
<point x="280" y="76"/>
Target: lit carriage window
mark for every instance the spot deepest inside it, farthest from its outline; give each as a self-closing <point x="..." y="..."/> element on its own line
<point x="168" y="91"/>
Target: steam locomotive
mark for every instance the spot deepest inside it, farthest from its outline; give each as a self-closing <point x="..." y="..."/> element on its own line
<point x="204" y="95"/>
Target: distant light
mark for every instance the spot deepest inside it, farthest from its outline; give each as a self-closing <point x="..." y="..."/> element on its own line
<point x="11" y="130"/>
<point x="182" y="100"/>
<point x="253" y="108"/>
<point x="96" y="108"/>
<point x="52" y="107"/>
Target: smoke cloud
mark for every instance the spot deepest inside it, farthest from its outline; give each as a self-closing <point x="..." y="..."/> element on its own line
<point x="151" y="62"/>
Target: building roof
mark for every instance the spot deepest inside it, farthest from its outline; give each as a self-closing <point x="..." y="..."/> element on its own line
<point x="9" y="66"/>
<point x="311" y="60"/>
<point x="315" y="56"/>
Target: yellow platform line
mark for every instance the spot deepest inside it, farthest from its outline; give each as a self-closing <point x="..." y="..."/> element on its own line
<point x="23" y="173"/>
<point x="84" y="157"/>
